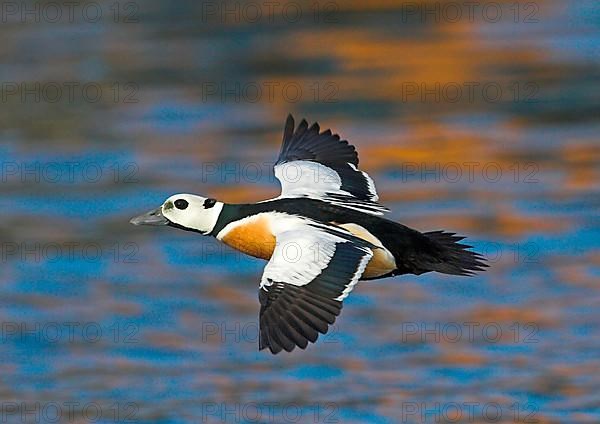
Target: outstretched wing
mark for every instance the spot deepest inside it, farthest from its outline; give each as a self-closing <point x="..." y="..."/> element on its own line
<point x="313" y="268"/>
<point x="320" y="165"/>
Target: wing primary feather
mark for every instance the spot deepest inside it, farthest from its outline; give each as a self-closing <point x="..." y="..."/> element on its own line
<point x="300" y="300"/>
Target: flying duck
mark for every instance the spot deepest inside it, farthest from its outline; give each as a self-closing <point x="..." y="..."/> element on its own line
<point x="321" y="236"/>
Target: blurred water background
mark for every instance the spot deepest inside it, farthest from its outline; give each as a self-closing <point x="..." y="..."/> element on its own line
<point x="481" y="119"/>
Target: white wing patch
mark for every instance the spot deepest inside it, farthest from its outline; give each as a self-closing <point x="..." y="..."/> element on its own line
<point x="308" y="179"/>
<point x="313" y="268"/>
<point x="304" y="249"/>
<point x="314" y="180"/>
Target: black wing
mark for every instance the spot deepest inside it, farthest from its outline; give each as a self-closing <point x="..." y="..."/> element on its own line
<point x="345" y="183"/>
<point x="292" y="314"/>
<point x="304" y="143"/>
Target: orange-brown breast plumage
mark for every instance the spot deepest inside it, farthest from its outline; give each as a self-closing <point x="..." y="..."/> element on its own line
<point x="252" y="237"/>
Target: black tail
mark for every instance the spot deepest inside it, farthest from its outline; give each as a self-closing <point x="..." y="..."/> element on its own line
<point x="451" y="257"/>
<point x="418" y="253"/>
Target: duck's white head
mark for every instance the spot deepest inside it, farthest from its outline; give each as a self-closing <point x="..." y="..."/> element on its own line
<point x="186" y="211"/>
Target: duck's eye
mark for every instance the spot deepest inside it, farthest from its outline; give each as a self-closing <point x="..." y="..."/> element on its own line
<point x="209" y="203"/>
<point x="181" y="204"/>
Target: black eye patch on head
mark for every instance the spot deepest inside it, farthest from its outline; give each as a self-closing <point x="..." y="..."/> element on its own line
<point x="209" y="203"/>
<point x="181" y="204"/>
